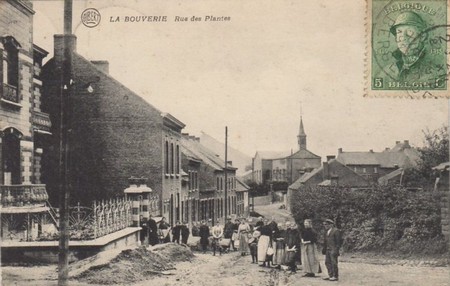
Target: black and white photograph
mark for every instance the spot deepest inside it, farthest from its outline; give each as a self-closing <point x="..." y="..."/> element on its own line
<point x="224" y="142"/>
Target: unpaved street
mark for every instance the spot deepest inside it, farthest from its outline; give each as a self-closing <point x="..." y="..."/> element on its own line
<point x="232" y="269"/>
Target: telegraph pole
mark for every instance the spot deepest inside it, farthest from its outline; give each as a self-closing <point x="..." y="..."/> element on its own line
<point x="226" y="171"/>
<point x="63" y="256"/>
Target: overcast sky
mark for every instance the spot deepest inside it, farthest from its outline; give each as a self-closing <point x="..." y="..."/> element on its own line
<point x="250" y="73"/>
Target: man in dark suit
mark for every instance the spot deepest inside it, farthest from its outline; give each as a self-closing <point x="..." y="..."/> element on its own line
<point x="331" y="244"/>
<point x="153" y="231"/>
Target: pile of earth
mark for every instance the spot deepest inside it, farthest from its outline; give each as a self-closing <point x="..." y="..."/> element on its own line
<point x="132" y="265"/>
<point x="174" y="252"/>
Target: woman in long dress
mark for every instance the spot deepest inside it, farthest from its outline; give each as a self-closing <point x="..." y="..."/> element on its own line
<point x="243" y="231"/>
<point x="279" y="246"/>
<point x="309" y="250"/>
<point x="263" y="243"/>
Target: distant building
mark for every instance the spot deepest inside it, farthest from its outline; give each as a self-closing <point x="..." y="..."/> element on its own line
<point x="242" y="192"/>
<point x="211" y="181"/>
<point x="286" y="167"/>
<point x="24" y="127"/>
<point x="115" y="135"/>
<point x="190" y="195"/>
<point x="374" y="165"/>
<point x="332" y="173"/>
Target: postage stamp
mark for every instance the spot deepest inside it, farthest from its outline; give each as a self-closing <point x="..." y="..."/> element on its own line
<point x="408" y="48"/>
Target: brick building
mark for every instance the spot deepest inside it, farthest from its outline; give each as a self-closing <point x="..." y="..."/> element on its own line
<point x="211" y="181"/>
<point x="331" y="173"/>
<point x="115" y="134"/>
<point x="23" y="126"/>
<point x="285" y="166"/>
<point x="374" y="165"/>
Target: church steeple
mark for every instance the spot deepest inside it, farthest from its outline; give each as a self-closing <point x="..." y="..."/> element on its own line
<point x="301" y="136"/>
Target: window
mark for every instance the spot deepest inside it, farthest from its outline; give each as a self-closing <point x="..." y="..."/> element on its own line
<point x="364" y="170"/>
<point x="218" y="184"/>
<point x="190" y="181"/>
<point x="172" y="159"/>
<point x="177" y="165"/>
<point x="166" y="157"/>
<point x="196" y="180"/>
<point x="375" y="170"/>
<point x="10" y="69"/>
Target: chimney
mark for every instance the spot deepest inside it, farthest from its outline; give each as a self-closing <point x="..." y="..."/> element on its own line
<point x="397" y="142"/>
<point x="387" y="149"/>
<point x="406" y="143"/>
<point x="371" y="150"/>
<point x="230" y="163"/>
<point x="326" y="171"/>
<point x="59" y="44"/>
<point x="330" y="157"/>
<point x="340" y="150"/>
<point x="334" y="180"/>
<point x="102" y="65"/>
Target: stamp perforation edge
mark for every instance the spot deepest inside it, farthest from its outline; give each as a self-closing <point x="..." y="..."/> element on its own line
<point x="406" y="93"/>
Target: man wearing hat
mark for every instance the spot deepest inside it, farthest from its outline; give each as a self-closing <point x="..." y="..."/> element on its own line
<point x="228" y="233"/>
<point x="332" y="244"/>
<point x="411" y="57"/>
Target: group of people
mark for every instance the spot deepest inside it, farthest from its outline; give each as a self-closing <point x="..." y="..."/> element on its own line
<point x="160" y="232"/>
<point x="276" y="245"/>
<point x="270" y="244"/>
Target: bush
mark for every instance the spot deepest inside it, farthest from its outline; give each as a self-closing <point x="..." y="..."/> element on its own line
<point x="388" y="218"/>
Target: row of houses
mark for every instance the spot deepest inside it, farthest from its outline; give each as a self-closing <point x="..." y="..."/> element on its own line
<point x="114" y="134"/>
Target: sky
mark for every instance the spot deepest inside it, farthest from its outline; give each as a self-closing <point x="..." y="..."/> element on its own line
<point x="254" y="73"/>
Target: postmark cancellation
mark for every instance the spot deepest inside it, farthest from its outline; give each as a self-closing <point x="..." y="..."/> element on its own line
<point x="408" y="48"/>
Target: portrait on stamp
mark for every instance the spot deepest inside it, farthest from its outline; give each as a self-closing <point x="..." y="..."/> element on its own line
<point x="409" y="45"/>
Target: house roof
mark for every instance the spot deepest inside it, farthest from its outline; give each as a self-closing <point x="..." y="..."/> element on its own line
<point x="304" y="154"/>
<point x="194" y="147"/>
<point x="442" y="166"/>
<point x="272" y="154"/>
<point x="399" y="156"/>
<point x="358" y="158"/>
<point x="385" y="179"/>
<point x="325" y="183"/>
<point x="303" y="179"/>
<point x="241" y="186"/>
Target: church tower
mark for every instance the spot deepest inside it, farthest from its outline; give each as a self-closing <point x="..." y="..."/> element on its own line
<point x="301" y="136"/>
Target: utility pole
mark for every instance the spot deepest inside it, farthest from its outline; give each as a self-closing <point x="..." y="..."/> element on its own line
<point x="63" y="256"/>
<point x="226" y="171"/>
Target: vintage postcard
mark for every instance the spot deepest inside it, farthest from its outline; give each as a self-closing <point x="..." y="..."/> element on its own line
<point x="224" y="142"/>
<point x="408" y="48"/>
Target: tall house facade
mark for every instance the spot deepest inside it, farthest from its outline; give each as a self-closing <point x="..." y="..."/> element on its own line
<point x="116" y="135"/>
<point x="23" y="126"/>
<point x="210" y="182"/>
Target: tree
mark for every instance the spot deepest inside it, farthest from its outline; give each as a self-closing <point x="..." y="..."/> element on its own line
<point x="434" y="152"/>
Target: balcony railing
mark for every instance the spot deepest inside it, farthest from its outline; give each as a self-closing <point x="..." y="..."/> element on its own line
<point x="23" y="195"/>
<point x="41" y="121"/>
<point x="10" y="93"/>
